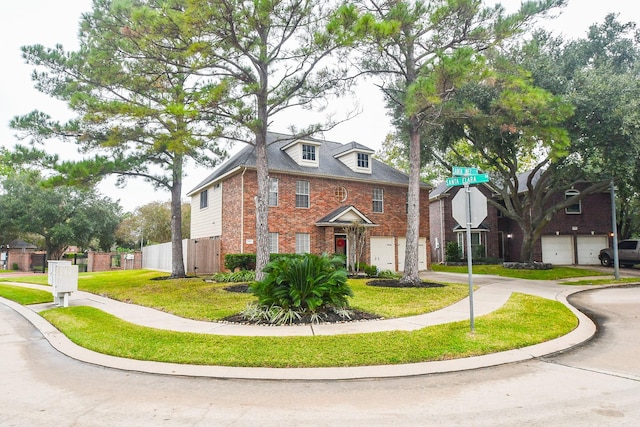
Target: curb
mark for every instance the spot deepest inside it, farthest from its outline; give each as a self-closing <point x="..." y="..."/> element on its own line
<point x="582" y="333"/>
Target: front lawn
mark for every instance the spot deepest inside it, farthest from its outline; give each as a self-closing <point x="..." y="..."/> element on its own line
<point x="195" y="298"/>
<point x="524" y="320"/>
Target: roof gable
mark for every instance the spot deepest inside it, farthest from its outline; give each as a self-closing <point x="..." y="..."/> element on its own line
<point x="344" y="215"/>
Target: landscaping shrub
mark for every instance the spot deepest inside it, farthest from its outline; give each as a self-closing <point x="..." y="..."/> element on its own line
<point x="240" y="261"/>
<point x="388" y="274"/>
<point x="301" y="285"/>
<point x="452" y="252"/>
<point x="235" y="276"/>
<point x="369" y="270"/>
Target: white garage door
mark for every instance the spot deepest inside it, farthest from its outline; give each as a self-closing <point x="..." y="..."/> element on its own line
<point x="422" y="253"/>
<point x="383" y="254"/>
<point x="557" y="250"/>
<point x="589" y="248"/>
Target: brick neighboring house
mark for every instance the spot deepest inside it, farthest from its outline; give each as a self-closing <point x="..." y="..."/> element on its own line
<point x="574" y="236"/>
<point x="317" y="187"/>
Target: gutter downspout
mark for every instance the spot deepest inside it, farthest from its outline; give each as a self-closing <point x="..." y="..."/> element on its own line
<point x="442" y="231"/>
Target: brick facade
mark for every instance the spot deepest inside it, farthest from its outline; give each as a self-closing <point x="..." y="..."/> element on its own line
<point x="444" y="228"/>
<point x="504" y="237"/>
<point x="239" y="225"/>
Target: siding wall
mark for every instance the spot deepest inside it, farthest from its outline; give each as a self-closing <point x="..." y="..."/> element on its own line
<point x="207" y="222"/>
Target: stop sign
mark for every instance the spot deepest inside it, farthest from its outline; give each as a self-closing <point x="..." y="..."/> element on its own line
<point x="478" y="207"/>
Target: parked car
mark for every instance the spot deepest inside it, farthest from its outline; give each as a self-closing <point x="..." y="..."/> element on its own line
<point x="628" y="254"/>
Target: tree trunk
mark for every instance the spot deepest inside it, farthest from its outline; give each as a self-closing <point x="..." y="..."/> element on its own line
<point x="262" y="210"/>
<point x="177" y="256"/>
<point x="411" y="273"/>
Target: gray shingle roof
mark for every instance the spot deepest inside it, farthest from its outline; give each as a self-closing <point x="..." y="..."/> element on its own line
<point x="330" y="167"/>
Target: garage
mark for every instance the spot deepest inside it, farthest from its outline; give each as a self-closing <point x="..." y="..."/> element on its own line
<point x="589" y="248"/>
<point x="383" y="254"/>
<point x="422" y="253"/>
<point x="557" y="250"/>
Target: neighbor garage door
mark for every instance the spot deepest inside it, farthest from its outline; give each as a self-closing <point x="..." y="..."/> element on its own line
<point x="589" y="248"/>
<point x="383" y="254"/>
<point x="557" y="250"/>
<point x="422" y="253"/>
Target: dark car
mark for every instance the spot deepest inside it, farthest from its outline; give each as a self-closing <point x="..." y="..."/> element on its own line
<point x="628" y="254"/>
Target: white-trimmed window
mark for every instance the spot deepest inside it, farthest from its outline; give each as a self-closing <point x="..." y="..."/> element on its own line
<point x="273" y="243"/>
<point x="309" y="152"/>
<point x="302" y="194"/>
<point x="273" y="191"/>
<point x="477" y="246"/>
<point x="204" y="199"/>
<point x="576" y="208"/>
<point x="303" y="243"/>
<point x="378" y="200"/>
<point x="363" y="160"/>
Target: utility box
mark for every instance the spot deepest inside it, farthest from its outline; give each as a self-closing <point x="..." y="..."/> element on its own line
<point x="52" y="269"/>
<point x="63" y="278"/>
<point x="67" y="278"/>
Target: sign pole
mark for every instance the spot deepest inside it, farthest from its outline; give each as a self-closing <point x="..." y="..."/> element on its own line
<point x="469" y="257"/>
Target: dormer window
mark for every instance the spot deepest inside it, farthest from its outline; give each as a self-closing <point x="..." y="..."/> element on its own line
<point x="356" y="157"/>
<point x="308" y="152"/>
<point x="363" y="160"/>
<point x="304" y="152"/>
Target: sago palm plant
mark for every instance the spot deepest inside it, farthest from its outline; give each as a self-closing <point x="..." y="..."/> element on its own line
<point x="300" y="286"/>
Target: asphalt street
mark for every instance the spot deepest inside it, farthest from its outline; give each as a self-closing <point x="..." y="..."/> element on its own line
<point x="596" y="384"/>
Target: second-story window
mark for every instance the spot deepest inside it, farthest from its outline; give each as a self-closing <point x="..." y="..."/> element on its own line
<point x="302" y="194"/>
<point x="308" y="152"/>
<point x="204" y="199"/>
<point x="576" y="208"/>
<point x="273" y="191"/>
<point x="378" y="200"/>
<point x="363" y="160"/>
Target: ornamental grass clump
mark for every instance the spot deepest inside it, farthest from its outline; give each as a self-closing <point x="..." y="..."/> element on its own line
<point x="300" y="289"/>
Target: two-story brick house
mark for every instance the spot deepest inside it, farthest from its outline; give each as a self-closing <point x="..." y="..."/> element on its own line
<point x="574" y="235"/>
<point x="317" y="188"/>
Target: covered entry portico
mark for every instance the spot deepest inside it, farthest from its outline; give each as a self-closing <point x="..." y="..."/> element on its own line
<point x="348" y="226"/>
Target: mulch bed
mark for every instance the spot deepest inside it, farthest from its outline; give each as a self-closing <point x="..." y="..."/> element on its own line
<point x="328" y="317"/>
<point x="396" y="283"/>
<point x="240" y="288"/>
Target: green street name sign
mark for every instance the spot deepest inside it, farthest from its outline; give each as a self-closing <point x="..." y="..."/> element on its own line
<point x="469" y="179"/>
<point x="462" y="171"/>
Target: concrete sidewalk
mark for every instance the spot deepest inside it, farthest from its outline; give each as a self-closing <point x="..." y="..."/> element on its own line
<point x="493" y="292"/>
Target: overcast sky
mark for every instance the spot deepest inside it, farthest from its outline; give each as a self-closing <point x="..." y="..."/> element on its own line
<point x="48" y="22"/>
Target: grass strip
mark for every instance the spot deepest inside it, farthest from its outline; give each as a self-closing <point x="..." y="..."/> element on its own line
<point x="524" y="320"/>
<point x="555" y="273"/>
<point x="25" y="296"/>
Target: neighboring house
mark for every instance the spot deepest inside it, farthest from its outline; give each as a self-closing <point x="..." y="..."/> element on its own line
<point x="317" y="188"/>
<point x="574" y="236"/>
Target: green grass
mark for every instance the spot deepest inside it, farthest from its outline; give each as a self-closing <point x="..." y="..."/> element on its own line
<point x="556" y="273"/>
<point x="523" y="321"/>
<point x="401" y="302"/>
<point x="197" y="299"/>
<point x="596" y="282"/>
<point x="25" y="296"/>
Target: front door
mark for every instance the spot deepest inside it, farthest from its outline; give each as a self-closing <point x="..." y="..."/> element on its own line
<point x="340" y="244"/>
